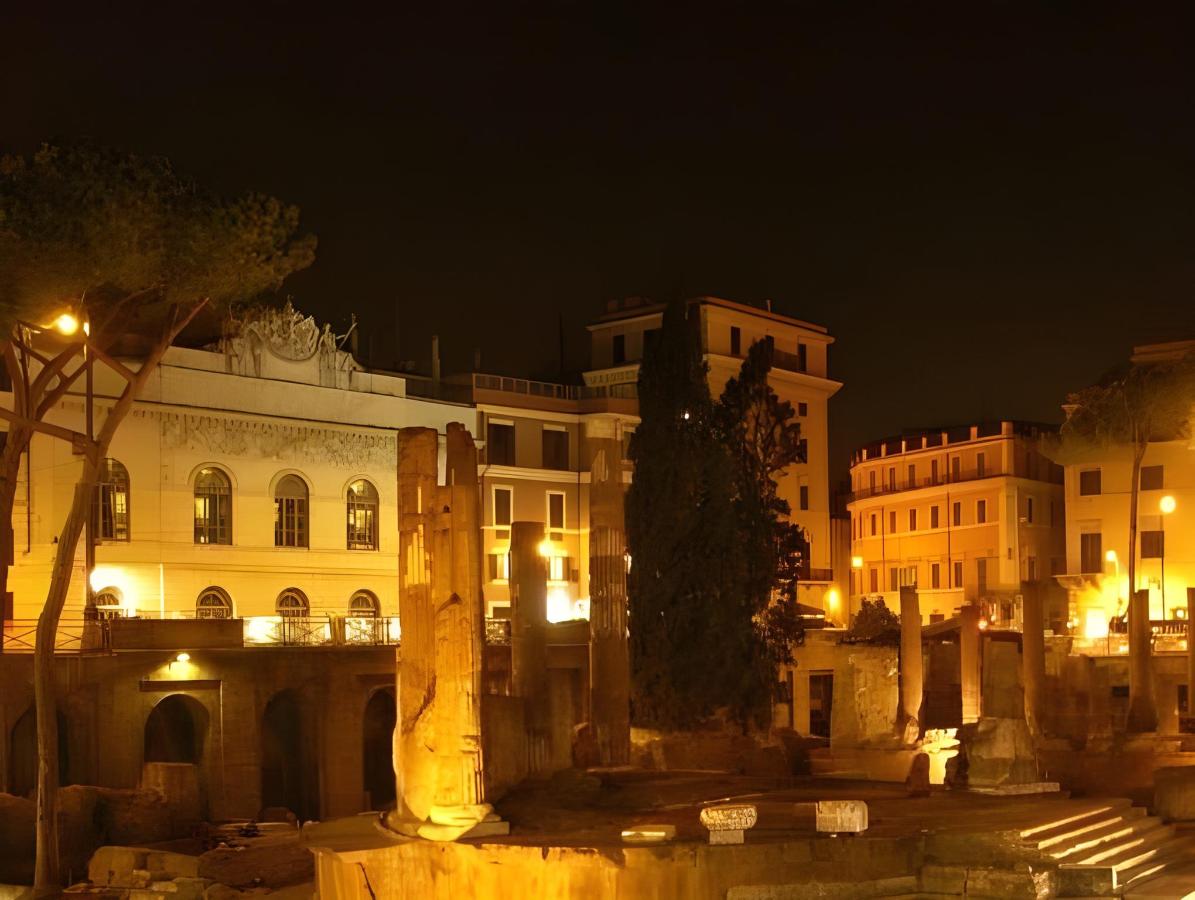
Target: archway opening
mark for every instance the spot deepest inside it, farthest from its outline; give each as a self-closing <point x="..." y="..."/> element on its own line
<point x="22" y="754"/>
<point x="377" y="748"/>
<point x="176" y="730"/>
<point x="289" y="768"/>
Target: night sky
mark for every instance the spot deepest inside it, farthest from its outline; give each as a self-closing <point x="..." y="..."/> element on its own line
<point x="986" y="203"/>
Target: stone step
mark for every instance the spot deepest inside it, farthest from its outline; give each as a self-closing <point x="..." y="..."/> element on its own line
<point x="1128" y="852"/>
<point x="1177" y="880"/>
<point x="1134" y="866"/>
<point x="1073" y="812"/>
<point x="1122" y="830"/>
<point x="1067" y="836"/>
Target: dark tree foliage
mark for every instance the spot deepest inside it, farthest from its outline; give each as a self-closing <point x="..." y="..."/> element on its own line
<point x="763" y="438"/>
<point x="714" y="566"/>
<point x="875" y="622"/>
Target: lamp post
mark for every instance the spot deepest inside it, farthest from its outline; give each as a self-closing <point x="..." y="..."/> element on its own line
<point x="1166" y="506"/>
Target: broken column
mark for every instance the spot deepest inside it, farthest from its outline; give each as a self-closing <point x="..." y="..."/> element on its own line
<point x="609" y="660"/>
<point x="1143" y="708"/>
<point x="969" y="656"/>
<point x="1033" y="656"/>
<point x="438" y="766"/>
<point x="528" y="636"/>
<point x="911" y="665"/>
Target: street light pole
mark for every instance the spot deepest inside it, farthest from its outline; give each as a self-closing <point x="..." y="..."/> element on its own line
<point x="89" y="523"/>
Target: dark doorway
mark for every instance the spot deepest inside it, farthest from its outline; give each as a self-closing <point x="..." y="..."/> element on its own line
<point x="176" y="730"/>
<point x="821" y="702"/>
<point x="289" y="771"/>
<point x="377" y="750"/>
<point x="22" y="754"/>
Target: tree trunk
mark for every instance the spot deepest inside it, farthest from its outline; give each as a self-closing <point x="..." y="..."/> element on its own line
<point x="46" y="879"/>
<point x="1143" y="711"/>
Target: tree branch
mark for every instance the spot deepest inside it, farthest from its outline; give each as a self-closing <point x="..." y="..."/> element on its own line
<point x="72" y="437"/>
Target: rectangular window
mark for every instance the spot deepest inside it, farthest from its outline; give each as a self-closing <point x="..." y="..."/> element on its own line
<point x="957" y="513"/>
<point x="981" y="511"/>
<point x="935" y="576"/>
<point x="499" y="566"/>
<point x="802" y="357"/>
<point x="558" y="568"/>
<point x="1029" y="510"/>
<point x="912" y="482"/>
<point x="503" y="504"/>
<point x="892" y="522"/>
<point x="894" y="579"/>
<point x="980" y="465"/>
<point x="1031" y="568"/>
<point x="555" y="516"/>
<point x="873" y="524"/>
<point x="1091" y="553"/>
<point x="804" y="496"/>
<point x="912" y="520"/>
<point x="875" y="581"/>
<point x="981" y="575"/>
<point x="500" y="443"/>
<point x="290" y="521"/>
<point x="933" y="517"/>
<point x="958" y="574"/>
<point x="1152" y="544"/>
<point x="892" y="478"/>
<point x="872" y="473"/>
<point x="620" y="349"/>
<point x="736" y="341"/>
<point x="802" y="409"/>
<point x="1151" y="478"/>
<point x="933" y="471"/>
<point x="956" y="468"/>
<point x="1089" y="483"/>
<point x="555" y="448"/>
<point x="908" y="578"/>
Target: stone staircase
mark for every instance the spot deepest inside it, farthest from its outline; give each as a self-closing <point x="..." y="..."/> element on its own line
<point x="1110" y="848"/>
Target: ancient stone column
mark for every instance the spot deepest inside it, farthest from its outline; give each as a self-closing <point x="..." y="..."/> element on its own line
<point x="528" y="635"/>
<point x="438" y="767"/>
<point x="1190" y="667"/>
<point x="969" y="657"/>
<point x="1033" y="656"/>
<point x="609" y="658"/>
<point x="1143" y="709"/>
<point x="911" y="665"/>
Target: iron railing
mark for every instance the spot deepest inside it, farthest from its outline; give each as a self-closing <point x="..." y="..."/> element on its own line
<point x="73" y="636"/>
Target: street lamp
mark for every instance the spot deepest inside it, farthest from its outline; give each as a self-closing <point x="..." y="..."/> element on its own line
<point x="1166" y="506"/>
<point x="856" y="566"/>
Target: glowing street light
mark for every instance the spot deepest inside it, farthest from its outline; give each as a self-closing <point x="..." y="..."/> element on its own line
<point x="66" y="324"/>
<point x="1166" y="506"/>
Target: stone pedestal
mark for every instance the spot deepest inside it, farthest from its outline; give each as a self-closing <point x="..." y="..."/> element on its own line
<point x="969" y="657"/>
<point x="911" y="666"/>
<point x="1143" y="709"/>
<point x="438" y="765"/>
<point x="528" y="636"/>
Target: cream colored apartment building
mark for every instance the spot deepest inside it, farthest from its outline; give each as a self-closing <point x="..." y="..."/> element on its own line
<point x="1097" y="526"/>
<point x="967" y="515"/>
<point x="800" y="375"/>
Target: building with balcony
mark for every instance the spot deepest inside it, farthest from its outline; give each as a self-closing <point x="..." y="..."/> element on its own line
<point x="1098" y="485"/>
<point x="800" y="375"/>
<point x="968" y="515"/>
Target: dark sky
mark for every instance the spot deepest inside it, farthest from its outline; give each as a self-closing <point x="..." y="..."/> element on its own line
<point x="987" y="203"/>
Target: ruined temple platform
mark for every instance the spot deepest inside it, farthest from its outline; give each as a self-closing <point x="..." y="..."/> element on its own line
<point x="565" y="841"/>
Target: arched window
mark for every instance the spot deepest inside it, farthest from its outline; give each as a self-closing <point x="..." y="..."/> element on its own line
<point x="108" y="604"/>
<point x="364" y="605"/>
<point x="213" y="603"/>
<point x="362" y="507"/>
<point x="292" y="604"/>
<point x="110" y="513"/>
<point x="290" y="512"/>
<point x="213" y="507"/>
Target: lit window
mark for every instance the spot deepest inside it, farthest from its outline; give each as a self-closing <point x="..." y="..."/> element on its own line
<point x="292" y="604"/>
<point x="290" y="512"/>
<point x="558" y="568"/>
<point x="110" y="513"/>
<point x="214" y="603"/>
<point x="108" y="604"/>
<point x="361" y="505"/>
<point x="499" y="566"/>
<point x="213" y="507"/>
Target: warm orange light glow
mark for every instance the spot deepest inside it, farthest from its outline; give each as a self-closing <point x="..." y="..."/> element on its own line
<point x="183" y="657"/>
<point x="66" y="324"/>
<point x="1110" y="556"/>
<point x="833" y="598"/>
<point x="856" y="562"/>
<point x="545" y="548"/>
<point x="983" y="623"/>
<point x="1167" y="504"/>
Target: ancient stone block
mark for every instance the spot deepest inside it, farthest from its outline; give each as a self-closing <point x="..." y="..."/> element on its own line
<point x="727" y="822"/>
<point x="1174" y="793"/>
<point x="1000" y="751"/>
<point x="841" y="816"/>
<point x="949" y="880"/>
<point x="164" y="865"/>
<point x="108" y="864"/>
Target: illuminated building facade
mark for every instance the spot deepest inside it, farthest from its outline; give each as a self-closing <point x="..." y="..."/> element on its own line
<point x="1097" y="527"/>
<point x="968" y="515"/>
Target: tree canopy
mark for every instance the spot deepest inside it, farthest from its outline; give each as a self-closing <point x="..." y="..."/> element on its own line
<point x="714" y="560"/>
<point x="86" y="224"/>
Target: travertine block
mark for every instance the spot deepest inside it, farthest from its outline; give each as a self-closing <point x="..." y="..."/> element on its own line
<point x="841" y="816"/>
